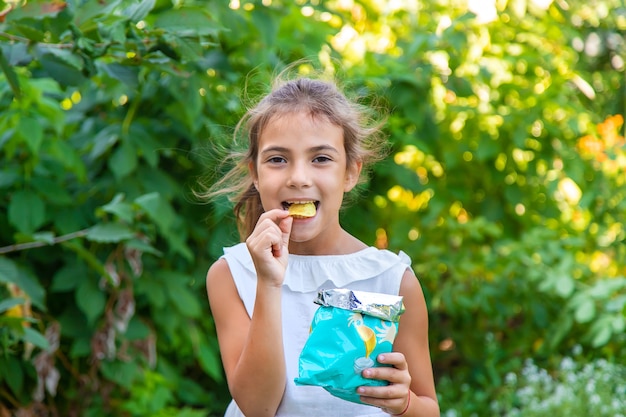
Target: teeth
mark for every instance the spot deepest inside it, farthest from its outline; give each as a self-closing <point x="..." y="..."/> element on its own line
<point x="300" y="202"/>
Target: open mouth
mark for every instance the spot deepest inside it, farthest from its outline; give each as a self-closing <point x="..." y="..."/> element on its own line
<point x="301" y="209"/>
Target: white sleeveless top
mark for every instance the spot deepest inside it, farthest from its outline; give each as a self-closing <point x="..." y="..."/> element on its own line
<point x="369" y="269"/>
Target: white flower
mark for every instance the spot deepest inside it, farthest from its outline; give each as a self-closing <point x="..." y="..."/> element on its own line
<point x="568" y="364"/>
<point x="510" y="379"/>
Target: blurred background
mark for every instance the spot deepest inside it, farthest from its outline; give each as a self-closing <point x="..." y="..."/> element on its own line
<point x="506" y="184"/>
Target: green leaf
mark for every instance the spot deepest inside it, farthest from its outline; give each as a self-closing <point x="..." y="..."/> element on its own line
<point x="27" y="211"/>
<point x="64" y="72"/>
<point x="123" y="161"/>
<point x="137" y="330"/>
<point x="266" y="24"/>
<point x="210" y="362"/>
<point x="601" y="331"/>
<point x="118" y="207"/>
<point x="157" y="209"/>
<point x="153" y="291"/>
<point x="32" y="287"/>
<point x="90" y="300"/>
<point x="564" y="284"/>
<point x="8" y="270"/>
<point x="73" y="324"/>
<point x="122" y="373"/>
<point x="143" y="247"/>
<point x="29" y="30"/>
<point x="187" y="49"/>
<point x="8" y="178"/>
<point x="183" y="299"/>
<point x="15" y="324"/>
<point x="81" y="348"/>
<point x="187" y="21"/>
<point x="12" y="371"/>
<point x="69" y="277"/>
<point x="139" y="11"/>
<point x="585" y="311"/>
<point x="109" y="233"/>
<point x="67" y="155"/>
<point x="92" y="11"/>
<point x="10" y="303"/>
<point x="15" y="53"/>
<point x="52" y="191"/>
<point x="619" y="324"/>
<point x="70" y="58"/>
<point x="103" y="141"/>
<point x="124" y="73"/>
<point x="33" y="336"/>
<point x="10" y="74"/>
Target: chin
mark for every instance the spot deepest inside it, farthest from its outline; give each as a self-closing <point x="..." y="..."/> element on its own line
<point x="295" y="238"/>
<point x="300" y="237"/>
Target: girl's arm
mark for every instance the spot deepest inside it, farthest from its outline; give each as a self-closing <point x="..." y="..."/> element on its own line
<point x="251" y="349"/>
<point x="411" y="374"/>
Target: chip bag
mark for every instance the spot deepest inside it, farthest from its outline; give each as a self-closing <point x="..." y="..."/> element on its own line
<point x="348" y="332"/>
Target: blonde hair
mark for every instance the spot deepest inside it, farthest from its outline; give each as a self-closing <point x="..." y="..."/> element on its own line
<point x="363" y="141"/>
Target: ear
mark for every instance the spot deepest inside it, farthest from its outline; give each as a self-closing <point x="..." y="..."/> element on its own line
<point x="253" y="175"/>
<point x="353" y="172"/>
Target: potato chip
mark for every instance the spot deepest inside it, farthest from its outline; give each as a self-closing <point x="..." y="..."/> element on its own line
<point x="302" y="209"/>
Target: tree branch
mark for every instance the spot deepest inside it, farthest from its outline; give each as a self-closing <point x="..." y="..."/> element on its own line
<point x="16" y="38"/>
<point x="39" y="244"/>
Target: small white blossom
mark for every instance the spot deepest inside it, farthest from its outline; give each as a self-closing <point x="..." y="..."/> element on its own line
<point x="566" y="393"/>
<point x="510" y="379"/>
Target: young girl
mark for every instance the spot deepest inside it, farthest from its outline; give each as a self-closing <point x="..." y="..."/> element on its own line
<point x="307" y="144"/>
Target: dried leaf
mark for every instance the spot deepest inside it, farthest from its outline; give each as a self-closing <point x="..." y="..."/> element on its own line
<point x="124" y="309"/>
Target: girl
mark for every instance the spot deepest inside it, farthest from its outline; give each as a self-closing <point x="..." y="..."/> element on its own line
<point x="307" y="144"/>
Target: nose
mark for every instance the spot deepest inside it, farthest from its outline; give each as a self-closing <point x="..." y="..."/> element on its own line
<point x="299" y="176"/>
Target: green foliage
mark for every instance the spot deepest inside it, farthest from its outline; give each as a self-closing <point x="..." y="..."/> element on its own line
<point x="103" y="111"/>
<point x="505" y="184"/>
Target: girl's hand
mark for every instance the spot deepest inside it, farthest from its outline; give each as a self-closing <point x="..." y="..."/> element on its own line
<point x="392" y="398"/>
<point x="268" y="246"/>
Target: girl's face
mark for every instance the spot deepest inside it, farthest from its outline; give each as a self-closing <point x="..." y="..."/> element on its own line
<point x="303" y="159"/>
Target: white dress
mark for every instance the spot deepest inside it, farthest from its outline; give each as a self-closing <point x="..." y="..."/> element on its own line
<point x="369" y="269"/>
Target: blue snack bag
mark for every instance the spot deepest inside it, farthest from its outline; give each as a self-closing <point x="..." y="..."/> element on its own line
<point x="348" y="332"/>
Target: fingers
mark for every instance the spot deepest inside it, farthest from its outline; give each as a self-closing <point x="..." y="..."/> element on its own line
<point x="268" y="245"/>
<point x="396" y="373"/>
<point x="393" y="396"/>
<point x="285" y="227"/>
<point x="270" y="230"/>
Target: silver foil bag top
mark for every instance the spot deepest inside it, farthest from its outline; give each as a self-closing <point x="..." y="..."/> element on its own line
<point x="383" y="306"/>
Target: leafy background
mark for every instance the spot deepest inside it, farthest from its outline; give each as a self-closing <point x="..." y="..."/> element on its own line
<point x="505" y="184"/>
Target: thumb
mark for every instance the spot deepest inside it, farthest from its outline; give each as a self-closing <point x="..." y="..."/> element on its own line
<point x="285" y="227"/>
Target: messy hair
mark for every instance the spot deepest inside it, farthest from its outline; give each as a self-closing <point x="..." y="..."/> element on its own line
<point x="320" y="99"/>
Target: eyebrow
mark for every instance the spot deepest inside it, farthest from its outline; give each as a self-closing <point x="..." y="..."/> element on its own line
<point x="314" y="149"/>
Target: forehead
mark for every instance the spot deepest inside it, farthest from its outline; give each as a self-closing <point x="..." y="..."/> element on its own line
<point x="301" y="126"/>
